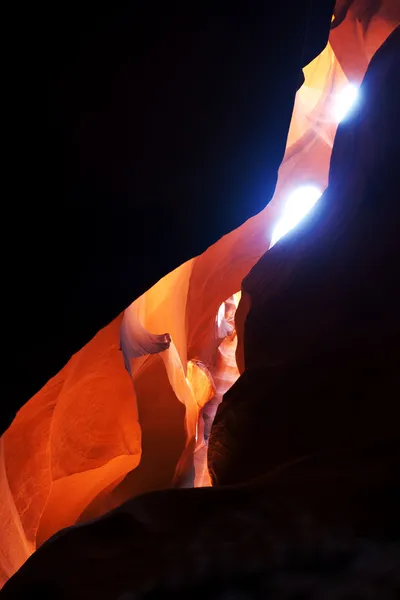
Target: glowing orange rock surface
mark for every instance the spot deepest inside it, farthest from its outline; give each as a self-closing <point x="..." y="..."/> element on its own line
<point x="98" y="434"/>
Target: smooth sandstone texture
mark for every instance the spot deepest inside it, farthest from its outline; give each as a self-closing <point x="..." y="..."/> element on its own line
<point x="90" y="440"/>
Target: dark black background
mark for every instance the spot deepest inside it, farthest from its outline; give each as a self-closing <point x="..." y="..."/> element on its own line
<point x="139" y="134"/>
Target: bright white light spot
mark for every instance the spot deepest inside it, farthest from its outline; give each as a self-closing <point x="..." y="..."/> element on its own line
<point x="221" y="314"/>
<point x="299" y="203"/>
<point x="344" y="101"/>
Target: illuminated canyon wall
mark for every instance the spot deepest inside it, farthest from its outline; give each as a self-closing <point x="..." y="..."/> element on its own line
<point x="131" y="411"/>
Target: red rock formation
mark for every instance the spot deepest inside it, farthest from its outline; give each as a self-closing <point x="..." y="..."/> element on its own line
<point x="166" y="540"/>
<point x="93" y="438"/>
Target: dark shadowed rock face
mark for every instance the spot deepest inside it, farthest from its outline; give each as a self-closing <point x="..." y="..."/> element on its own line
<point x="315" y="413"/>
<point x="321" y="337"/>
<point x="164" y="538"/>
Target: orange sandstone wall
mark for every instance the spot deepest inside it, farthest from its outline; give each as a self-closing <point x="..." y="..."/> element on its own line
<point x="96" y="435"/>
